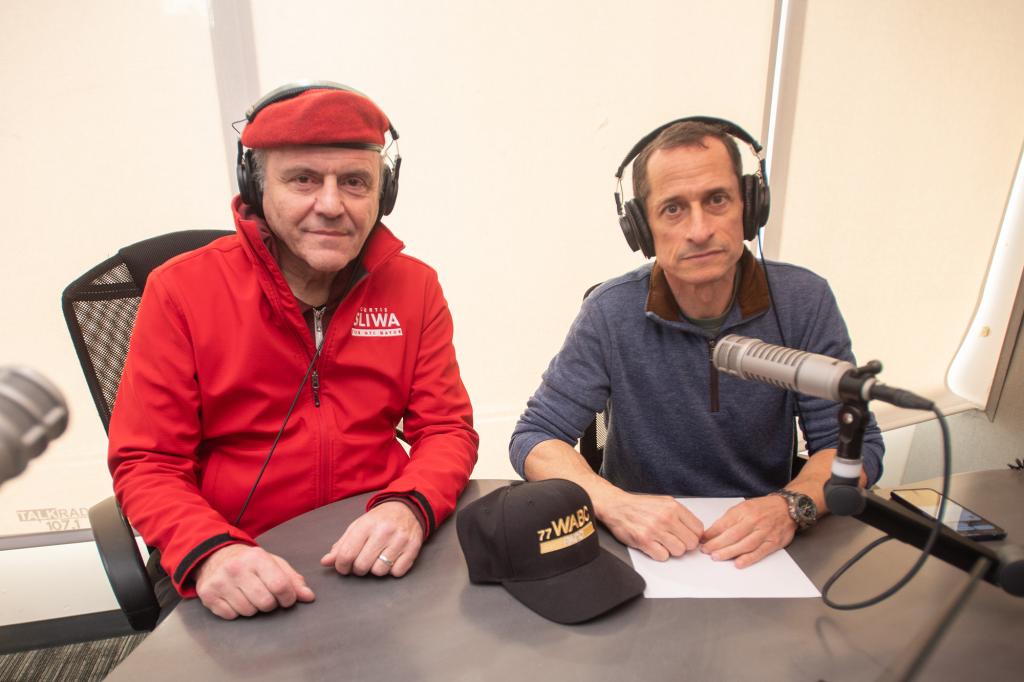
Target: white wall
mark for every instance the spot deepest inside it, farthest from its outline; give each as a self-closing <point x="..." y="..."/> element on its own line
<point x="907" y="129"/>
<point x="109" y="134"/>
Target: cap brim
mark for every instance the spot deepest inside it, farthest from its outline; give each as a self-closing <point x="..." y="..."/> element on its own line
<point x="582" y="593"/>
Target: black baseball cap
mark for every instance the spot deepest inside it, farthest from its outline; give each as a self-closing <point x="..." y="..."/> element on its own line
<point x="539" y="540"/>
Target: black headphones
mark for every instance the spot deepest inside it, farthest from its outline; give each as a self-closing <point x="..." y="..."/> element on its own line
<point x="756" y="196"/>
<point x="249" y="188"/>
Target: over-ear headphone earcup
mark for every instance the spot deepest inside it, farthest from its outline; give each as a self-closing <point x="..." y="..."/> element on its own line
<point x="248" y="187"/>
<point x="241" y="176"/>
<point x="751" y="207"/>
<point x="388" y="190"/>
<point x="635" y="229"/>
<point x="628" y="225"/>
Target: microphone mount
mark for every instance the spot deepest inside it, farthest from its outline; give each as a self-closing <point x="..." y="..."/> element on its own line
<point x="853" y="384"/>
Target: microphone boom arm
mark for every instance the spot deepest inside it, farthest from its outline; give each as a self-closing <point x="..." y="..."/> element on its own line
<point x="845" y="497"/>
<point x="1007" y="566"/>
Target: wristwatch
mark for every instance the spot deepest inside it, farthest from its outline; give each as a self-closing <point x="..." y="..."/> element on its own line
<point x="801" y="508"/>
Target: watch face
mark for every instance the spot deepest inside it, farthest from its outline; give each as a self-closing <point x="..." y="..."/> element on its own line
<point x="806" y="509"/>
<point x="801" y="508"/>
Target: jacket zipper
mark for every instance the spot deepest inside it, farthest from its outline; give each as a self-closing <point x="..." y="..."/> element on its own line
<point x="713" y="376"/>
<point x="318" y="338"/>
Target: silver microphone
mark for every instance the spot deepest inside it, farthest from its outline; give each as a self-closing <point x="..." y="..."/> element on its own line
<point x="794" y="370"/>
<point x="808" y="373"/>
<point x="32" y="413"/>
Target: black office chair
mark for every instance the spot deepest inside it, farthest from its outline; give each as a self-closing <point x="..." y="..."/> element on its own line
<point x="100" y="308"/>
<point x="592" y="441"/>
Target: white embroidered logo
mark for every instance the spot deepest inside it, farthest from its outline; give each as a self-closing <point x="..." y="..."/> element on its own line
<point x="376" y="321"/>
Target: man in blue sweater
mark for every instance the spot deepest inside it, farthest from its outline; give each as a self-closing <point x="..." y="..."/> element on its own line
<point x="640" y="350"/>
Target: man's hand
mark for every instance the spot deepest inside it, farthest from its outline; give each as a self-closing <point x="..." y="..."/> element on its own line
<point x="239" y="580"/>
<point x="750" y="531"/>
<point x="658" y="526"/>
<point x="388" y="531"/>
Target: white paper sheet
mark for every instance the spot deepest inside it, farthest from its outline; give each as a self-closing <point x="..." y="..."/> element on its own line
<point x="695" y="575"/>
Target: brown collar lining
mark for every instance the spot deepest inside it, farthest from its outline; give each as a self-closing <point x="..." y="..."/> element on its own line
<point x="752" y="297"/>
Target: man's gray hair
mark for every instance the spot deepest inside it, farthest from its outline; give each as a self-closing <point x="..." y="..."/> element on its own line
<point x="259" y="168"/>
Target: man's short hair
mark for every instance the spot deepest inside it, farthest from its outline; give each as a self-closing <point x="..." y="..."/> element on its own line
<point x="682" y="134"/>
<point x="259" y="168"/>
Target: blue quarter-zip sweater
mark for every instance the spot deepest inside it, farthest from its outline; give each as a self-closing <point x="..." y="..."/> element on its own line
<point x="676" y="426"/>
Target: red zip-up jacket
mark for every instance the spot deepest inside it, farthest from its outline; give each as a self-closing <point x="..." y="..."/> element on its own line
<point x="219" y="349"/>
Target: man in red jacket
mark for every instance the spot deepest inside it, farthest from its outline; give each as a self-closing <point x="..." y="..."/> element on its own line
<point x="309" y="326"/>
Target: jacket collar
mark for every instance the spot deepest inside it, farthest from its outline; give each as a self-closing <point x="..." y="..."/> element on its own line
<point x="752" y="296"/>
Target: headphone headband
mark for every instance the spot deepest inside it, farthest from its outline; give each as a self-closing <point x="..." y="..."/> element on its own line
<point x="727" y="127"/>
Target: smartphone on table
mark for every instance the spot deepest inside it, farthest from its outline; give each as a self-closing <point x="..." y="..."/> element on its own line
<point x="956" y="517"/>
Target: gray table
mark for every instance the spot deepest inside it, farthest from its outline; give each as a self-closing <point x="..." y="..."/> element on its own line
<point x="435" y="624"/>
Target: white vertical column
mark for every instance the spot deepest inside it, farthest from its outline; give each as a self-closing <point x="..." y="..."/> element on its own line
<point x="234" y="68"/>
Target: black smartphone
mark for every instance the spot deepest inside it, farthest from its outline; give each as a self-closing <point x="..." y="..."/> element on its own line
<point x="956" y="517"/>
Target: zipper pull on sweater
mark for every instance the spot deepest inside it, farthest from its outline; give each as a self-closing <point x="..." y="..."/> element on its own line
<point x="318" y="339"/>
<point x="713" y="375"/>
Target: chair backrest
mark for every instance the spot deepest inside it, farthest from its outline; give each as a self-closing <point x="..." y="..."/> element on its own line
<point x="100" y="308"/>
<point x="593" y="439"/>
<point x="592" y="442"/>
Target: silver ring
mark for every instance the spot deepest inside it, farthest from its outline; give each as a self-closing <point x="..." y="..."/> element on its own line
<point x="386" y="561"/>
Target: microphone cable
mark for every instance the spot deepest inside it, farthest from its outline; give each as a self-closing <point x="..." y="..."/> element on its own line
<point x="280" y="431"/>
<point x="782" y="335"/>
<point x="925" y="551"/>
<point x="357" y="264"/>
<point x="936" y="528"/>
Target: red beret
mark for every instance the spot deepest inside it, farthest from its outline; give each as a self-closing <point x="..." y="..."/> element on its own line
<point x="317" y="117"/>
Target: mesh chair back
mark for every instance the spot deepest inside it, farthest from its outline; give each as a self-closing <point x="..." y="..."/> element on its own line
<point x="593" y="439"/>
<point x="100" y="308"/>
<point x="592" y="442"/>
